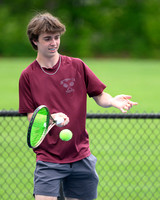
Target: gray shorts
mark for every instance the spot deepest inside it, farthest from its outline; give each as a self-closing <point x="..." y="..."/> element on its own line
<point x="79" y="179"/>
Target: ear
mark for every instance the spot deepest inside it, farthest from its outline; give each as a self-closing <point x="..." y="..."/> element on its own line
<point x="34" y="42"/>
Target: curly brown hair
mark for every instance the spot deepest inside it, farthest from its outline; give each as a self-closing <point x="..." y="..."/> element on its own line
<point x="43" y="23"/>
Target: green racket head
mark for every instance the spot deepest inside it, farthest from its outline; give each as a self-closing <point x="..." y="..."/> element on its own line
<point x="38" y="126"/>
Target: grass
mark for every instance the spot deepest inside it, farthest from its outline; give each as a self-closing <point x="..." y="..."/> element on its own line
<point x="138" y="78"/>
<point x="128" y="158"/>
<point x="127" y="150"/>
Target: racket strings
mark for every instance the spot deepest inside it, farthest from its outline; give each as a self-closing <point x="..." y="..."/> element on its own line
<point x="39" y="128"/>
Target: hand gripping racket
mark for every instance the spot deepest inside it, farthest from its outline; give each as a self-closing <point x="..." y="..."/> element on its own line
<point x="40" y="124"/>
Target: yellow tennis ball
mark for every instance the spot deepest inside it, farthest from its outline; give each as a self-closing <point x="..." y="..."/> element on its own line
<point x="65" y="135"/>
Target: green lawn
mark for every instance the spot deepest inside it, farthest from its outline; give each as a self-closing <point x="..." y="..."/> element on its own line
<point x="127" y="150"/>
<point x="128" y="158"/>
<point x="139" y="78"/>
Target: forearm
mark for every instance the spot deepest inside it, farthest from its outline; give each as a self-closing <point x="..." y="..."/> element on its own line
<point x="29" y="116"/>
<point x="122" y="102"/>
<point x="61" y="115"/>
<point x="104" y="100"/>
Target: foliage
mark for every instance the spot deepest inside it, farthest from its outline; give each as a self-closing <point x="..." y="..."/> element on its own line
<point x="94" y="27"/>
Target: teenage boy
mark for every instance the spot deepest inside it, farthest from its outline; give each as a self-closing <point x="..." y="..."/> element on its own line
<point x="62" y="83"/>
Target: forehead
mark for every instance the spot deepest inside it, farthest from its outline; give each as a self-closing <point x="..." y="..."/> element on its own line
<point x="42" y="35"/>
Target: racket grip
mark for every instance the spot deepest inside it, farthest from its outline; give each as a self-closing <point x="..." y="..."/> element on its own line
<point x="59" y="121"/>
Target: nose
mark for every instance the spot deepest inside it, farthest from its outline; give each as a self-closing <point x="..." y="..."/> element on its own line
<point x="53" y="42"/>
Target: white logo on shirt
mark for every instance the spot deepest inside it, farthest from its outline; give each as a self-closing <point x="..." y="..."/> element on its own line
<point x="68" y="84"/>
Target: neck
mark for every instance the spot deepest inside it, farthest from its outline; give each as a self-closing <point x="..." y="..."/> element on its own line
<point x="47" y="62"/>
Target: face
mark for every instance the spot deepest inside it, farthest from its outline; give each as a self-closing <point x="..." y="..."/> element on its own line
<point x="48" y="44"/>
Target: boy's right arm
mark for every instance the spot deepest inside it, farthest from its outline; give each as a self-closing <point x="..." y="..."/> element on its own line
<point x="65" y="117"/>
<point x="29" y="116"/>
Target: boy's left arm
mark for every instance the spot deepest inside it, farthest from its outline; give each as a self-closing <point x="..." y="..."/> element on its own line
<point x="122" y="102"/>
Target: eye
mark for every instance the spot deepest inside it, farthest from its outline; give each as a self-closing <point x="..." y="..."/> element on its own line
<point x="47" y="38"/>
<point x="57" y="37"/>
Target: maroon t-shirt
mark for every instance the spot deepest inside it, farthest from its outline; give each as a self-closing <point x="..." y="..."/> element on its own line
<point x="65" y="91"/>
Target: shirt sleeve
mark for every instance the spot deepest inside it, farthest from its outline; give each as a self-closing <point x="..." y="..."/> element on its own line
<point x="93" y="85"/>
<point x="26" y="103"/>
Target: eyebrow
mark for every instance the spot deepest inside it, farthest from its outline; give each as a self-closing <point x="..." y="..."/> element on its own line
<point x="58" y="34"/>
<point x="48" y="36"/>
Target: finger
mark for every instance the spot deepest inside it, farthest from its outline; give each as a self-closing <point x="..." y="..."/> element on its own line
<point x="63" y="116"/>
<point x="128" y="107"/>
<point x="133" y="103"/>
<point x="66" y="121"/>
<point x="126" y="97"/>
<point x="59" y="121"/>
<point x="122" y="110"/>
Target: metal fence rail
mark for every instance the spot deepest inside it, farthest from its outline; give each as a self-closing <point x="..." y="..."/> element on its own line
<point x="127" y="147"/>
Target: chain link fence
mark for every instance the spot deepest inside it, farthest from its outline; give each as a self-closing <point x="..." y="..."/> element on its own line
<point x="127" y="147"/>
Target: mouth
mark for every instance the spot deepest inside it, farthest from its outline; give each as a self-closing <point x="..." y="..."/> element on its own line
<point x="52" y="49"/>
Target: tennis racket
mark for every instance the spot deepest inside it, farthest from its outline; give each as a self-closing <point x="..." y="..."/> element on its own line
<point x="40" y="124"/>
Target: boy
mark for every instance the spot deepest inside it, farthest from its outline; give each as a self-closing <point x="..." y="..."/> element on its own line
<point x="62" y="84"/>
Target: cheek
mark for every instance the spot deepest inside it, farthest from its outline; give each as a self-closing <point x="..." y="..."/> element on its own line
<point x="43" y="45"/>
<point x="58" y="42"/>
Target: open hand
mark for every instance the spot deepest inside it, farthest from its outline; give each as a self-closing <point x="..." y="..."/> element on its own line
<point x="123" y="103"/>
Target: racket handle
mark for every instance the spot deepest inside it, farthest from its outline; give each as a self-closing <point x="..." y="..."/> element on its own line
<point x="49" y="127"/>
<point x="59" y="121"/>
